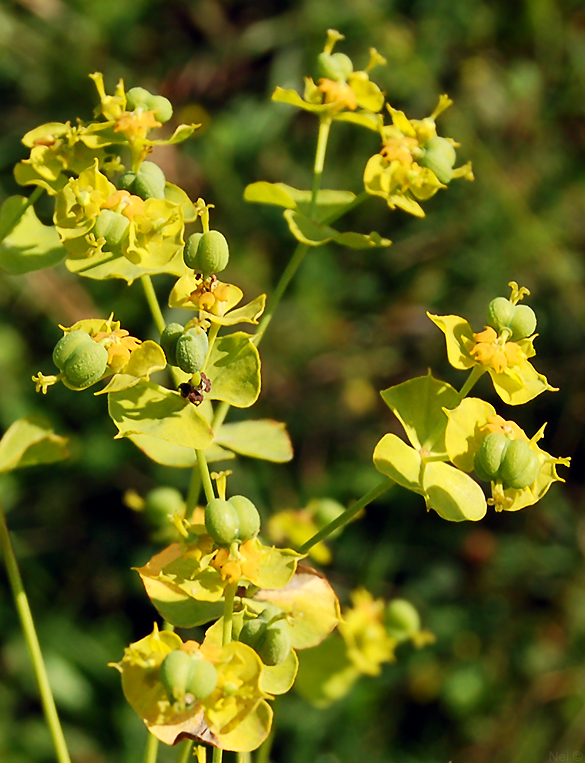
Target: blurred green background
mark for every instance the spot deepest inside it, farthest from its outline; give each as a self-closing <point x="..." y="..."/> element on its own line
<point x="505" y="680"/>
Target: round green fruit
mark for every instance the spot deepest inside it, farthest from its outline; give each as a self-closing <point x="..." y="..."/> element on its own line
<point x="523" y="323"/>
<point x="175" y="672"/>
<point x="168" y="341"/>
<point x="191" y="349"/>
<point x="112" y="226"/>
<point x="162" y="502"/>
<point x="273" y="646"/>
<point x="401" y="619"/>
<point x="520" y="466"/>
<point x="190" y="250"/>
<point x="203" y="678"/>
<point x="490" y="455"/>
<point x="67" y="344"/>
<point x="439" y="156"/>
<point x="222" y="521"/>
<point x="138" y="98"/>
<point x="248" y="516"/>
<point x="86" y="365"/>
<point x="211" y="254"/>
<point x="335" y="66"/>
<point x="162" y="108"/>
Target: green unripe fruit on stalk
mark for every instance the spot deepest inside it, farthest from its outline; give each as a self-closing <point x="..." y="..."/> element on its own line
<point x="191" y="349"/>
<point x="335" y="66"/>
<point x="248" y="517"/>
<point x="112" y="226"/>
<point x="439" y="156"/>
<point x="86" y="365"/>
<point x="148" y="182"/>
<point x="139" y="97"/>
<point x="67" y="344"/>
<point x="181" y="673"/>
<point x="270" y="641"/>
<point x="490" y="455"/>
<point x="222" y="521"/>
<point x="168" y="341"/>
<point x="519" y="319"/>
<point x="520" y="466"/>
<point x="207" y="253"/>
<point x="401" y="619"/>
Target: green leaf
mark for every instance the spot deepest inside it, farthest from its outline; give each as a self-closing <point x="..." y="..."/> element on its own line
<point x="326" y="672"/>
<point x="307" y="231"/>
<point x="182" y="132"/>
<point x="31" y="441"/>
<point x="234" y="370"/>
<point x="311" y="605"/>
<point x="327" y="205"/>
<point x="459" y="338"/>
<point x="249" y="313"/>
<point x="276" y="567"/>
<point x="362" y="118"/>
<point x="418" y="404"/>
<point x="269" y="193"/>
<point x="463" y="434"/>
<point x="291" y="97"/>
<point x="30" y="245"/>
<point x="105" y="265"/>
<point x="278" y="679"/>
<point x="178" y="196"/>
<point x="10" y="213"/>
<point x="169" y="454"/>
<point x="258" y="439"/>
<point x="152" y="410"/>
<point x="520" y="384"/>
<point x="397" y="460"/>
<point x="250" y="732"/>
<point x="362" y="240"/>
<point x="452" y="493"/>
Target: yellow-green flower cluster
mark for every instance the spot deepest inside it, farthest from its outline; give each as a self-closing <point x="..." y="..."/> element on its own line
<point x="414" y="162"/>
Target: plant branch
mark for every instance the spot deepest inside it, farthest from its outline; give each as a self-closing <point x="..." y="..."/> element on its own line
<point x="348" y="514"/>
<point x="205" y="477"/>
<point x="153" y="302"/>
<point x="32" y="641"/>
<point x="151" y="751"/>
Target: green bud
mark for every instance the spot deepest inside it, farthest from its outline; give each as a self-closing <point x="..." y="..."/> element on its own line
<point x="523" y="323"/>
<point x="67" y="344"/>
<point x="248" y="516"/>
<point x="222" y="521"/>
<point x="112" y="226"/>
<point x="190" y="250"/>
<point x="212" y="253"/>
<point x="85" y="365"/>
<point x="488" y="458"/>
<point x="168" y="341"/>
<point x="191" y="349"/>
<point x="401" y="619"/>
<point x="520" y="465"/>
<point x="203" y="678"/>
<point x="439" y="156"/>
<point x="335" y="66"/>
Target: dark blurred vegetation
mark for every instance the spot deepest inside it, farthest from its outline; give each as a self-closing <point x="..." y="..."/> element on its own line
<point x="505" y="681"/>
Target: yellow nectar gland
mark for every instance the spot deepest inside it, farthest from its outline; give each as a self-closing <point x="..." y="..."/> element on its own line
<point x="494" y="351"/>
<point x="338" y="92"/>
<point x="247" y="565"/>
<point x="501" y="426"/>
<point x="399" y="149"/>
<point x="136" y="124"/>
<point x="119" y="345"/>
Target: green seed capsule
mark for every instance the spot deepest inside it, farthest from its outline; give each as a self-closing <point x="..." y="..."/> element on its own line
<point x="520" y="465"/>
<point x="202" y="680"/>
<point x="248" y="517"/>
<point x="86" y="365"/>
<point x="222" y="521"/>
<point x="191" y="349"/>
<point x="161" y="502"/>
<point x="439" y="156"/>
<point x="67" y="344"/>
<point x="190" y="250"/>
<point x="138" y="97"/>
<point x="335" y="66"/>
<point x="168" y="341"/>
<point x="273" y="646"/>
<point x="488" y="458"/>
<point x="523" y="323"/>
<point x="112" y="226"/>
<point x="175" y="672"/>
<point x="401" y="619"/>
<point x="212" y="254"/>
<point x="162" y="108"/>
<point x="148" y="182"/>
<point x="252" y="630"/>
<point x="499" y="314"/>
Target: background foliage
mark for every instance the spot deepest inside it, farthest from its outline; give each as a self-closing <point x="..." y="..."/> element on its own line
<point x="504" y="681"/>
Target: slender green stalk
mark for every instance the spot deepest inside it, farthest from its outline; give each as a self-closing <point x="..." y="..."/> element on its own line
<point x="228" y="612"/>
<point x="287" y="276"/>
<point x="186" y="750"/>
<point x="217" y="755"/>
<point x="151" y="751"/>
<point x="153" y="302"/>
<point x="201" y="754"/>
<point x="324" y="127"/>
<point x="194" y="491"/>
<point x="348" y="514"/>
<point x="219" y="416"/>
<point x="32" y="642"/>
<point x="243" y="757"/>
<point x="476" y="373"/>
<point x="212" y="336"/>
<point x="205" y="478"/>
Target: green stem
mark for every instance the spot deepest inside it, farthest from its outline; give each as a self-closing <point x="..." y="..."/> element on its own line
<point x="205" y="478"/>
<point x="243" y="757"/>
<point x="212" y="336"/>
<point x="228" y="612"/>
<point x="217" y="755"/>
<point x="348" y="514"/>
<point x="186" y="751"/>
<point x="219" y="416"/>
<point x="324" y="127"/>
<point x="151" y="751"/>
<point x="32" y="642"/>
<point x="194" y="491"/>
<point x="476" y="373"/>
<point x="153" y="303"/>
